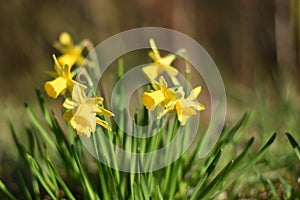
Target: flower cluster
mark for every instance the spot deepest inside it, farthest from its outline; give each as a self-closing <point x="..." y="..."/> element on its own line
<point x="83" y="112"/>
<point x="166" y="99"/>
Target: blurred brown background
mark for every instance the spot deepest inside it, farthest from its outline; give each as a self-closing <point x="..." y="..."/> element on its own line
<point x="250" y="40"/>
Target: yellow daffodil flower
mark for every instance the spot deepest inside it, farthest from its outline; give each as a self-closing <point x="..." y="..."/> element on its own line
<point x="162" y="96"/>
<point x="187" y="107"/>
<point x="82" y="112"/>
<point x="71" y="53"/>
<point x="161" y="64"/>
<point x="63" y="80"/>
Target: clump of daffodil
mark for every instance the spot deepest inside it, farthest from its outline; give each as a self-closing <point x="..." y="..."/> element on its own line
<point x="187" y="107"/>
<point x="63" y="80"/>
<point x="162" y="97"/>
<point x="168" y="99"/>
<point x="160" y="64"/>
<point x="83" y="112"/>
<point x="71" y="54"/>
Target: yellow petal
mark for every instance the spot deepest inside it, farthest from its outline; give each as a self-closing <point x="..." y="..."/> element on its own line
<point x="151" y="99"/>
<point x="152" y="71"/>
<point x="197" y="106"/>
<point x="194" y="93"/>
<point x="163" y="82"/>
<point x="55" y="87"/>
<point x="170" y="95"/>
<point x="69" y="104"/>
<point x="102" y="111"/>
<point x="84" y="121"/>
<point x="68" y="115"/>
<point x="103" y="123"/>
<point x="95" y="100"/>
<point x="58" y="68"/>
<point x="152" y="55"/>
<point x="167" y="60"/>
<point x="65" y="39"/>
<point x="154" y="48"/>
<point x="183" y="113"/>
<point x="78" y="94"/>
<point x="67" y="59"/>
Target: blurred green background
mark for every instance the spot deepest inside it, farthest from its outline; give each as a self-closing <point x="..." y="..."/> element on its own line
<point x="254" y="43"/>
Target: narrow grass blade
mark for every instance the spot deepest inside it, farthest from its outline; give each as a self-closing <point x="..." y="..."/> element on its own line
<point x="85" y="181"/>
<point x="215" y="183"/>
<point x="294" y="144"/>
<point x="4" y="189"/>
<point x="159" y="195"/>
<point x="144" y="187"/>
<point x="21" y="149"/>
<point x="225" y="138"/>
<point x="63" y="185"/>
<point x="40" y="128"/>
<point x="24" y="187"/>
<point x="275" y="195"/>
<point x="249" y="165"/>
<point x="104" y="187"/>
<point x="199" y="186"/>
<point x="43" y="106"/>
<point x="36" y="171"/>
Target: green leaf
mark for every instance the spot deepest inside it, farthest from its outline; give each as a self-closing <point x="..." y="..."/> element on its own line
<point x="63" y="185"/>
<point x="103" y="182"/>
<point x="21" y="149"/>
<point x="43" y="106"/>
<point x="199" y="186"/>
<point x="40" y="128"/>
<point x="24" y="187"/>
<point x="294" y="144"/>
<point x="274" y="192"/>
<point x="84" y="178"/>
<point x="4" y="189"/>
<point x="248" y="165"/>
<point x="159" y="195"/>
<point x="144" y="186"/>
<point x="36" y="172"/>
<point x="215" y="183"/>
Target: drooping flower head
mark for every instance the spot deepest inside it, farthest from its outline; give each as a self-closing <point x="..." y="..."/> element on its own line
<point x="83" y="112"/>
<point x="63" y="80"/>
<point x="160" y="64"/>
<point x="71" y="54"/>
